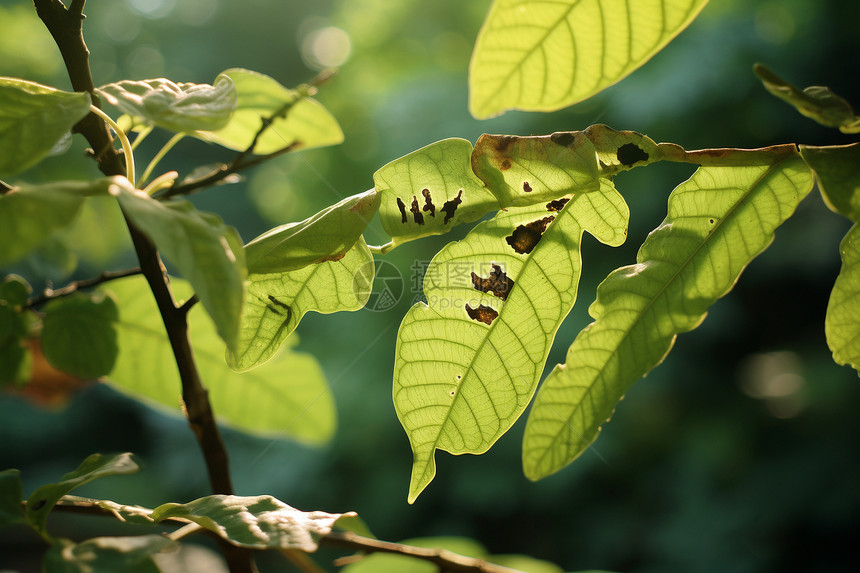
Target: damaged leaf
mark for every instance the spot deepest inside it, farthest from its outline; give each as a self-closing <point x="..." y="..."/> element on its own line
<point x="430" y="191"/>
<point x="718" y="221"/>
<point x="469" y="359"/>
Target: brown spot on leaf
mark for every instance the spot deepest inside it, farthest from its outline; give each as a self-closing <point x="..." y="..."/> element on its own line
<point x="483" y="313"/>
<point x="525" y="237"/>
<point x="630" y="153"/>
<point x="416" y="211"/>
<point x="402" y="208"/>
<point x="450" y="206"/>
<point x="428" y="204"/>
<point x="526" y="187"/>
<point x="557" y="204"/>
<point x="563" y="138"/>
<point x="498" y="283"/>
<point x="505" y="164"/>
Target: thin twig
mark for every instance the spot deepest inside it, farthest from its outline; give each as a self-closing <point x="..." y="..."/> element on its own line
<point x="50" y="294"/>
<point x="4" y="187"/>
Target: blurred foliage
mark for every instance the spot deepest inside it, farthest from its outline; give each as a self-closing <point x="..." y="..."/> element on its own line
<point x="737" y="454"/>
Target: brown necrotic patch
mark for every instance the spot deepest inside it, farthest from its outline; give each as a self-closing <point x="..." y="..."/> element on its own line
<point x="428" y="204"/>
<point x="416" y="211"/>
<point x="630" y="153"/>
<point x="402" y="208"/>
<point x="526" y="187"/>
<point x="498" y="283"/>
<point x="557" y="204"/>
<point x="563" y="138"/>
<point x="450" y="206"/>
<point x="483" y="313"/>
<point x="525" y="237"/>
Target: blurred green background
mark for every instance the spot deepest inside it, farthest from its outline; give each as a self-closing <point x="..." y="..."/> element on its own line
<point x="739" y="453"/>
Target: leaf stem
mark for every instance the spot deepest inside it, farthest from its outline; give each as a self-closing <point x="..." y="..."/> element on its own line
<point x="159" y="156"/>
<point x="126" y="146"/>
<point x="50" y="294"/>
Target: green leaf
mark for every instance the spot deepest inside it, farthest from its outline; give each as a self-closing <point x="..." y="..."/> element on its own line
<point x="14" y="291"/>
<point x="107" y="554"/>
<point x="287" y="398"/>
<point x="11" y="510"/>
<point x="78" y="335"/>
<point x="182" y="108"/>
<point x="259" y="522"/>
<point x="535" y="55"/>
<point x="815" y="102"/>
<point x="30" y="214"/>
<point x="302" y="122"/>
<point x="837" y="169"/>
<point x="276" y="302"/>
<point x="430" y="191"/>
<point x="842" y="321"/>
<point x="42" y="501"/>
<point x="717" y="222"/>
<point x="326" y="236"/>
<point x="204" y="250"/>
<point x="468" y="361"/>
<point x="15" y="360"/>
<point x="33" y="119"/>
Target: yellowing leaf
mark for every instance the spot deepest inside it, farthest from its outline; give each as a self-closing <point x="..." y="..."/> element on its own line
<point x="539" y="55"/>
<point x="718" y="221"/>
<point x="469" y="360"/>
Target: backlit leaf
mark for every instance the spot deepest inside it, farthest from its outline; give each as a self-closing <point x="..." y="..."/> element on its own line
<point x="260" y="522"/>
<point x="183" y="108"/>
<point x="288" y="397"/>
<point x="42" y="501"/>
<point x="468" y="361"/>
<point x="429" y="191"/>
<point x="718" y="221"/>
<point x="204" y="250"/>
<point x="302" y="122"/>
<point x="837" y="169"/>
<point x="107" y="554"/>
<point x="536" y="55"/>
<point x="276" y="302"/>
<point x="326" y="236"/>
<point x="78" y="335"/>
<point x="33" y="119"/>
<point x="842" y="322"/>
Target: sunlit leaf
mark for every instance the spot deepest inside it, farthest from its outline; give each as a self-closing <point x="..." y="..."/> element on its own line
<point x="326" y="236"/>
<point x="276" y="302"/>
<point x="536" y="55"/>
<point x="78" y="335"/>
<point x="184" y="107"/>
<point x="718" y="221"/>
<point x="469" y="360"/>
<point x="288" y="397"/>
<point x="815" y="102"/>
<point x="107" y="554"/>
<point x="429" y="191"/>
<point x="842" y="322"/>
<point x="302" y="122"/>
<point x="205" y="251"/>
<point x="837" y="169"/>
<point x="30" y="214"/>
<point x="11" y="510"/>
<point x="42" y="501"/>
<point x="260" y="522"/>
<point x="33" y="120"/>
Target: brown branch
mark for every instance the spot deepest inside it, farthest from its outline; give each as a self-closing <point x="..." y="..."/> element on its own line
<point x="67" y="30"/>
<point x="50" y="294"/>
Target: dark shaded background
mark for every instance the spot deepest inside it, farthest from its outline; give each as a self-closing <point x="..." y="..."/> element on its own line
<point x="739" y="453"/>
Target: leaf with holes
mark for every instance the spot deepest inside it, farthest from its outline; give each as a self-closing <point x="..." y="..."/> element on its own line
<point x="430" y="191"/>
<point x="299" y="121"/>
<point x="276" y="302"/>
<point x="718" y="221"/>
<point x="469" y="360"/>
<point x="327" y="236"/>
<point x="33" y="120"/>
<point x="42" y="501"/>
<point x="183" y="108"/>
<point x="205" y="251"/>
<point x="535" y="55"/>
<point x="287" y="398"/>
<point x="259" y="522"/>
